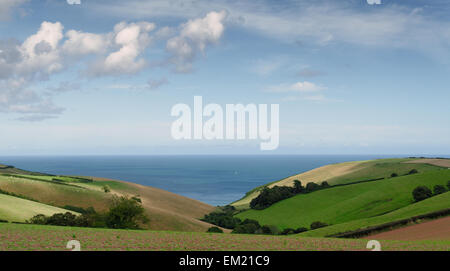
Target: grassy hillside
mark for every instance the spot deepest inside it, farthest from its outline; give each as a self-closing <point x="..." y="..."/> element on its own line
<point x="439" y="202"/>
<point x="15" y="209"/>
<point x="35" y="237"/>
<point x="346" y="203"/>
<point x="349" y="172"/>
<point x="167" y="211"/>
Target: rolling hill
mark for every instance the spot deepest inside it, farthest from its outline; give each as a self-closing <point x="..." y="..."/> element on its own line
<point x="348" y="172"/>
<point x="167" y="211"/>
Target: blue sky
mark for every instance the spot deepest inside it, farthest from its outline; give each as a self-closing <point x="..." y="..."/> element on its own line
<point x="350" y="77"/>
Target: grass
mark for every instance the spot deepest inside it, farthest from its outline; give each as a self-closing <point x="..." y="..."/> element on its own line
<point x="166" y="210"/>
<point x="435" y="203"/>
<point x="24" y="209"/>
<point x="35" y="237"/>
<point x="346" y="203"/>
<point x="342" y="173"/>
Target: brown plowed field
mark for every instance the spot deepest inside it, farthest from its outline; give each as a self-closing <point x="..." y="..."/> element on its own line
<point x="438" y="229"/>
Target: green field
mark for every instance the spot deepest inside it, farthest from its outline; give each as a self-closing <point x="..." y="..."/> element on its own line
<point x="34" y="237"/>
<point x="24" y="209"/>
<point x="342" y="173"/>
<point x="433" y="204"/>
<point x="346" y="203"/>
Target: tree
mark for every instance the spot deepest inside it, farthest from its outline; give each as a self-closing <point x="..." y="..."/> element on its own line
<point x="215" y="230"/>
<point x="439" y="189"/>
<point x="393" y="175"/>
<point x="288" y="231"/>
<point x="448" y="185"/>
<point x="318" y="224"/>
<point x="301" y="229"/>
<point x="125" y="213"/>
<point x="298" y="187"/>
<point x="310" y="187"/>
<point x="324" y="184"/>
<point x="106" y="189"/>
<point x="413" y="171"/>
<point x="421" y="193"/>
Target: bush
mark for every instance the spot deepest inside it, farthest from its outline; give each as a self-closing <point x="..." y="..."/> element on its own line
<point x="448" y="185"/>
<point x="245" y="229"/>
<point x="268" y="229"/>
<point x="224" y="220"/>
<point x="125" y="213"/>
<point x="439" y="189"/>
<point x="215" y="230"/>
<point x="269" y="196"/>
<point x="318" y="224"/>
<point x="106" y="189"/>
<point x="413" y="171"/>
<point x="393" y="175"/>
<point x="421" y="193"/>
<point x="324" y="184"/>
<point x="288" y="231"/>
<point x="301" y="229"/>
<point x="310" y="187"/>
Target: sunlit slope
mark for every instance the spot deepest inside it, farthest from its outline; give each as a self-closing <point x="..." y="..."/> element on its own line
<point x="345" y="203"/>
<point x="167" y="211"/>
<point x="345" y="173"/>
<point x="15" y="209"/>
<point x="433" y="204"/>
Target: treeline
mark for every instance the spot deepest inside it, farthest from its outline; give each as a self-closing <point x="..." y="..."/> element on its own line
<point x="124" y="213"/>
<point x="269" y="196"/>
<point x="423" y="192"/>
<point x="224" y="218"/>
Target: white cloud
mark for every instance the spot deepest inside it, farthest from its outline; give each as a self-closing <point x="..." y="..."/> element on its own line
<point x="194" y="36"/>
<point x="374" y="2"/>
<point x="74" y="2"/>
<point x="308" y="21"/>
<point x="297" y="87"/>
<point x="132" y="39"/>
<point x="84" y="43"/>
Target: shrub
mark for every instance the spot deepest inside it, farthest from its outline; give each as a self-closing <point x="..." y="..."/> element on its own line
<point x="318" y="224"/>
<point x="301" y="229"/>
<point x="439" y="189"/>
<point x="125" y="213"/>
<point x="310" y="187"/>
<point x="269" y="229"/>
<point x="288" y="231"/>
<point x="298" y="187"/>
<point x="215" y="230"/>
<point x="106" y="189"/>
<point x="245" y="228"/>
<point x="324" y="184"/>
<point x="393" y="175"/>
<point x="224" y="220"/>
<point x="421" y="193"/>
<point x="413" y="171"/>
<point x="448" y="185"/>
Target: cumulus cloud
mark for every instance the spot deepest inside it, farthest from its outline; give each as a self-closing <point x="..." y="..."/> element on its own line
<point x="132" y="39"/>
<point x="194" y="36"/>
<point x="79" y="43"/>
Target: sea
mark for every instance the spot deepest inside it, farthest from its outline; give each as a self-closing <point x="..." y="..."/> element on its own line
<point x="213" y="179"/>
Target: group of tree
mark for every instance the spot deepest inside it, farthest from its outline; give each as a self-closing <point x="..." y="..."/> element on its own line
<point x="269" y="196"/>
<point x="224" y="218"/>
<point x="124" y="213"/>
<point x="423" y="192"/>
<point x="412" y="171"/>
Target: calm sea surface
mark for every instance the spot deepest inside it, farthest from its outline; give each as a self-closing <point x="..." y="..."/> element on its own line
<point x="217" y="180"/>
